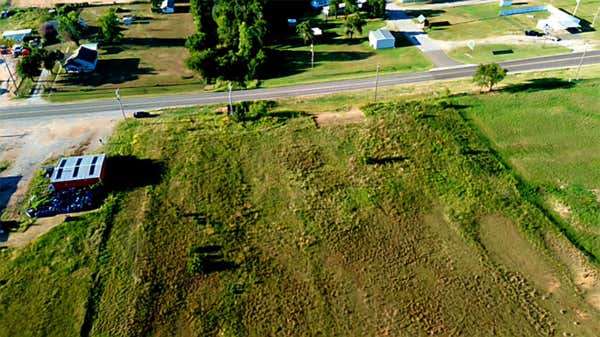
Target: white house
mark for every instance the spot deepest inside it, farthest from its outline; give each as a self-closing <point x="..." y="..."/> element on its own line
<point x="168" y="6"/>
<point x="84" y="59"/>
<point x="381" y="39"/>
<point x="16" y="35"/>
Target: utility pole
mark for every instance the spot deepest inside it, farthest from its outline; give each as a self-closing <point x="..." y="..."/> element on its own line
<point x="312" y="55"/>
<point x="377" y="80"/>
<point x="230" y="86"/>
<point x="595" y="17"/>
<point x="120" y="103"/>
<point x="9" y="74"/>
<point x="581" y="60"/>
<point x="576" y="7"/>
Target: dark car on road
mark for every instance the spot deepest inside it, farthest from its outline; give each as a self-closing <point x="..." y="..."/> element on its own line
<point x="141" y="114"/>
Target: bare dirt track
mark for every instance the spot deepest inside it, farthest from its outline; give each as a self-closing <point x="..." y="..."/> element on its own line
<point x="52" y="3"/>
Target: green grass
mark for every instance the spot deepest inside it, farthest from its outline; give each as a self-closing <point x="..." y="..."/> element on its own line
<point x="4" y="164"/>
<point x="275" y="226"/>
<point x="338" y="57"/>
<point x="25" y="18"/>
<point x="477" y="22"/>
<point x="150" y="59"/>
<point x="483" y="52"/>
<point x="554" y="145"/>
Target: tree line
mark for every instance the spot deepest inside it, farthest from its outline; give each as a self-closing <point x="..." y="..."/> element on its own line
<point x="231" y="35"/>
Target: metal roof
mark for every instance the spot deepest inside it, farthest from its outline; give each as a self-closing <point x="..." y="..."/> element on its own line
<point x="382" y="34"/>
<point x="78" y="168"/>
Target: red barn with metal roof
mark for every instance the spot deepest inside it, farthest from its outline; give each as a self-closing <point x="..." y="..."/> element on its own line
<point x="78" y="171"/>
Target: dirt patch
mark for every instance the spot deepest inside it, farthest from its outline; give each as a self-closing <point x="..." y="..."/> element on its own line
<point x="563" y="210"/>
<point x="27" y="143"/>
<point x="355" y="115"/>
<point x="584" y="274"/>
<point x="506" y="245"/>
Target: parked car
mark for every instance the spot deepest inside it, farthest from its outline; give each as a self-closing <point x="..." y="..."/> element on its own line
<point x="141" y="114"/>
<point x="533" y="33"/>
<point x="4" y="14"/>
<point x="3" y="50"/>
<point x="17" y="50"/>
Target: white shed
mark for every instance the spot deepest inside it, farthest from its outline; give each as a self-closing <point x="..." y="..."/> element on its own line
<point x="16" y="35"/>
<point x="381" y="39"/>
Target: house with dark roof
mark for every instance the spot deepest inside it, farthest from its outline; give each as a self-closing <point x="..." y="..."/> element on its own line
<point x="168" y="6"/>
<point x="84" y="59"/>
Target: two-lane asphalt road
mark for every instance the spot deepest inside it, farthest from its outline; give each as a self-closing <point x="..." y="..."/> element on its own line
<point x="159" y="102"/>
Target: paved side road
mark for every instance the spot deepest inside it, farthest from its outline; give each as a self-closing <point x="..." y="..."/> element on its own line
<point x="50" y="111"/>
<point x="415" y="34"/>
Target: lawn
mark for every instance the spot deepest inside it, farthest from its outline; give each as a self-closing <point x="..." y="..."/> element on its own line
<point x="151" y="57"/>
<point x="274" y="226"/>
<point x="483" y="53"/>
<point x="554" y="145"/>
<point x="477" y="22"/>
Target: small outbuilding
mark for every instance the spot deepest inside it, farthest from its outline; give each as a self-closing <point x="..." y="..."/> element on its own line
<point x="80" y="171"/>
<point x="84" y="59"/>
<point x="16" y="35"/>
<point x="381" y="39"/>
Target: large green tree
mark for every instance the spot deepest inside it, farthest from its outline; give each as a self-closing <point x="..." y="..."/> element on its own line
<point x="109" y="26"/>
<point x="488" y="75"/>
<point x="351" y="6"/>
<point x="229" y="39"/>
<point x="304" y="30"/>
<point x="68" y="26"/>
<point x="333" y="7"/>
<point x="354" y="24"/>
<point x="376" y="8"/>
<point x="29" y="66"/>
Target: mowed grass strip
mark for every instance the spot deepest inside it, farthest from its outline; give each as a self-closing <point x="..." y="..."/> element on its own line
<point x="484" y="53"/>
<point x="547" y="129"/>
<point x="275" y="226"/>
<point x="477" y="22"/>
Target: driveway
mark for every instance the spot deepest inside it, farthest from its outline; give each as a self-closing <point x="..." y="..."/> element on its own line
<point x="399" y="21"/>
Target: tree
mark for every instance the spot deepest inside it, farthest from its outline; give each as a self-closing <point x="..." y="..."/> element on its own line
<point x="354" y="23"/>
<point x="376" y="8"/>
<point x="334" y="5"/>
<point x="305" y="31"/>
<point x="48" y="59"/>
<point x="69" y="27"/>
<point x="488" y="75"/>
<point x="229" y="39"/>
<point x="109" y="25"/>
<point x="48" y="32"/>
<point x="351" y="6"/>
<point x="29" y="66"/>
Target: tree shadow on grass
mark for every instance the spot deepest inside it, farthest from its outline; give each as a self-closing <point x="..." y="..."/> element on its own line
<point x="427" y="13"/>
<point x="539" y="84"/>
<point x="113" y="71"/>
<point x="209" y="259"/>
<point x="124" y="173"/>
<point x="296" y="61"/>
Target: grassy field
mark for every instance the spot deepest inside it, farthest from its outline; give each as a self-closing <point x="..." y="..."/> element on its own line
<point x="151" y="57"/>
<point x="274" y="226"/>
<point x="476" y="22"/>
<point x="553" y="145"/>
<point x="483" y="53"/>
<point x="337" y="57"/>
